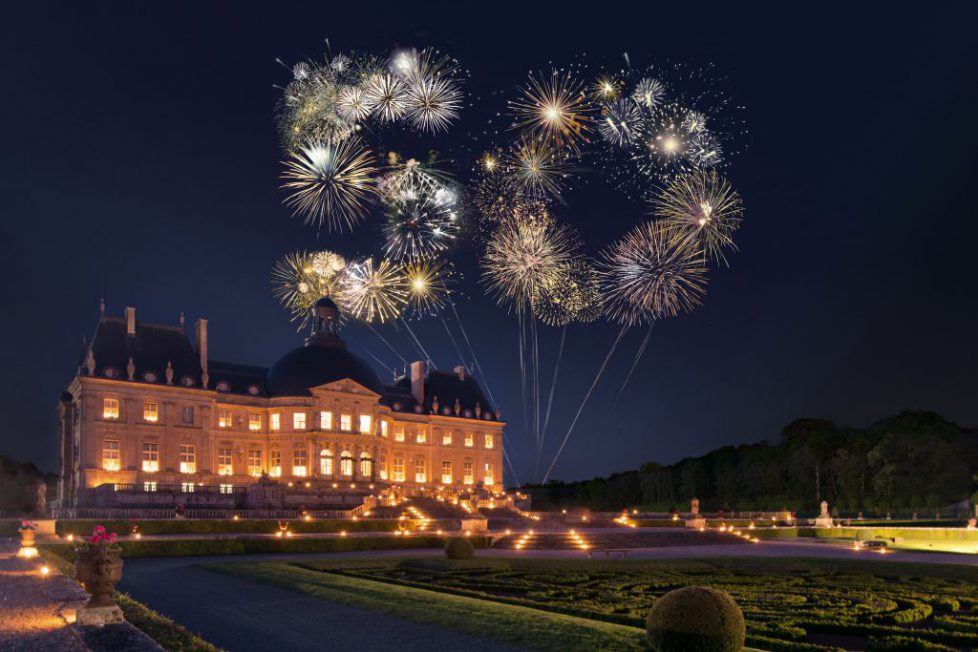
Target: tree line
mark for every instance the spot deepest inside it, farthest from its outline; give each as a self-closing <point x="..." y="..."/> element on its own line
<point x="916" y="460"/>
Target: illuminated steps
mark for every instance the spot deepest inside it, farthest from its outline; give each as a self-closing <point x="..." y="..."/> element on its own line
<point x="531" y="540"/>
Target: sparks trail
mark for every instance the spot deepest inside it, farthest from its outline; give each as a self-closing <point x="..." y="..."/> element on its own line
<point x="638" y="356"/>
<point x="553" y="386"/>
<point x="580" y="408"/>
<point x="417" y="343"/>
<point x="382" y="339"/>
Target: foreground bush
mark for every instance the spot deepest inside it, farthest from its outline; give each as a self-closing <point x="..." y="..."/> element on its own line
<point x="696" y="619"/>
<point x="459" y="548"/>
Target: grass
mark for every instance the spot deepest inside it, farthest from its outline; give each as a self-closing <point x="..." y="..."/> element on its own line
<point x="789" y="604"/>
<point x="520" y="626"/>
<point x="171" y="636"/>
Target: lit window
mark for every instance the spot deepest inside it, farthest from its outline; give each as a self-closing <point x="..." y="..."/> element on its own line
<point x="398" y="433"/>
<point x="346" y="464"/>
<point x="299" y="468"/>
<point x="325" y="420"/>
<point x="446" y="438"/>
<point x="325" y="462"/>
<point x="110" y="408"/>
<point x="489" y="442"/>
<point x="187" y="416"/>
<point x="346" y="422"/>
<point x="366" y="466"/>
<point x="276" y="421"/>
<point x="467" y="477"/>
<point x="187" y="487"/>
<point x="446" y="472"/>
<point x="398" y="469"/>
<point x="188" y="459"/>
<point x="419" y="470"/>
<point x="383" y="428"/>
<point x="469" y="440"/>
<point x="488" y="477"/>
<point x="254" y="422"/>
<point x="110" y="455"/>
<point x="382" y="466"/>
<point x="226" y="488"/>
<point x="254" y="462"/>
<point x="275" y="463"/>
<point x="422" y="436"/>
<point x="298" y="420"/>
<point x="224" y="461"/>
<point x="365" y="424"/>
<point x="149" y="486"/>
<point x="151" y="412"/>
<point x="151" y="457"/>
<point x="224" y="418"/>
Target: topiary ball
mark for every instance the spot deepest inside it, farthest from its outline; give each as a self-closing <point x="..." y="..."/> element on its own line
<point x="459" y="548"/>
<point x="696" y="619"/>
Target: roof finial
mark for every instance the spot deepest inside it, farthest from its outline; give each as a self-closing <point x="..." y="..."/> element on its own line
<point x="90" y="363"/>
<point x="181" y="320"/>
<point x="434" y="404"/>
<point x="478" y="410"/>
<point x="169" y="372"/>
<point x="101" y="307"/>
<point x="131" y="369"/>
<point x="458" y="407"/>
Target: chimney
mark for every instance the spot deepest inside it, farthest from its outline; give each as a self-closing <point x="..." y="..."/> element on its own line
<point x="200" y="335"/>
<point x="130" y="320"/>
<point x="460" y="372"/>
<point x="417" y="381"/>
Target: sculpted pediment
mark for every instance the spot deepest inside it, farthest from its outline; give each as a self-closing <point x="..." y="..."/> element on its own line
<point x="345" y="386"/>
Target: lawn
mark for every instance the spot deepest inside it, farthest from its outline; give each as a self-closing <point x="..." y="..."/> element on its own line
<point x="790" y="604"/>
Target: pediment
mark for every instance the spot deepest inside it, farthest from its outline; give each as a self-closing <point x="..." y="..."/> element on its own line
<point x="344" y="386"/>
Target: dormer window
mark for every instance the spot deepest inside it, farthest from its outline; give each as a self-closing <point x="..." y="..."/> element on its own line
<point x="223" y="386"/>
<point x="150" y="377"/>
<point x="111" y="372"/>
<point x="187" y="381"/>
<point x="253" y="390"/>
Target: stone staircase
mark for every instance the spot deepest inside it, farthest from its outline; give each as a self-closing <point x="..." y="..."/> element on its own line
<point x="577" y="539"/>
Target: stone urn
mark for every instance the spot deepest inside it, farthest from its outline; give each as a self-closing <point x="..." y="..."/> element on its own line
<point x="27" y="538"/>
<point x="99" y="569"/>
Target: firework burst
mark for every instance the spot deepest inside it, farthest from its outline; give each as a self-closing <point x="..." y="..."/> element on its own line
<point x="620" y="122"/>
<point x="674" y="141"/>
<point x="330" y="184"/>
<point x="649" y="275"/>
<point x="300" y="278"/>
<point x="553" y="108"/>
<point x="575" y="295"/>
<point x="649" y="93"/>
<point x="373" y="292"/>
<point x="421" y="222"/>
<point x="387" y="95"/>
<point x="432" y="103"/>
<point x="352" y="104"/>
<point x="536" y="168"/>
<point x="524" y="257"/>
<point x="426" y="283"/>
<point x="702" y="207"/>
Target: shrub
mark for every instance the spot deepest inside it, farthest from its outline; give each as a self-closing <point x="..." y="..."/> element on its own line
<point x="906" y="644"/>
<point x="696" y="619"/>
<point x="459" y="548"/>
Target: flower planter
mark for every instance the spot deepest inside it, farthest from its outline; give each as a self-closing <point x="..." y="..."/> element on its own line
<point x="99" y="569"/>
<point x="27" y="538"/>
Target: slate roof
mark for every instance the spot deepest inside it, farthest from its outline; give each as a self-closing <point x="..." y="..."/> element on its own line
<point x="154" y="345"/>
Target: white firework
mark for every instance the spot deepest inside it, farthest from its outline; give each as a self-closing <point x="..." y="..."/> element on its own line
<point x="387" y="95"/>
<point x="649" y="93"/>
<point x="352" y="104"/>
<point x="620" y="122"/>
<point x="433" y="102"/>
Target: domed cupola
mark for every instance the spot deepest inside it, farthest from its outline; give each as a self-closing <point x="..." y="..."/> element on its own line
<point x="323" y="359"/>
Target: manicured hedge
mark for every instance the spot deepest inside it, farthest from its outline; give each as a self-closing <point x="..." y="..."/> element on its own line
<point x="227" y="526"/>
<point x="198" y="547"/>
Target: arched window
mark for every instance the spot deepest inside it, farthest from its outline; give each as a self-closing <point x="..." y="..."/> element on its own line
<point x="346" y="464"/>
<point x="366" y="466"/>
<point x="326" y="462"/>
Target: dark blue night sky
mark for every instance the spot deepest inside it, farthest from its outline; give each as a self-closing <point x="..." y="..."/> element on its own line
<point x="140" y="162"/>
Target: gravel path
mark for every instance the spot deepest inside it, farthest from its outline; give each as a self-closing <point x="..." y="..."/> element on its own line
<point x="31" y="606"/>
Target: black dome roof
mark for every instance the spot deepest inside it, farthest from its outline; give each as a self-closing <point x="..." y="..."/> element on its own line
<point x="313" y="365"/>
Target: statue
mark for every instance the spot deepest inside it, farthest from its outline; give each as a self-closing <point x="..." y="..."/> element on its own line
<point x="825" y="509"/>
<point x="824" y="518"/>
<point x="694" y="506"/>
<point x="40" y="498"/>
